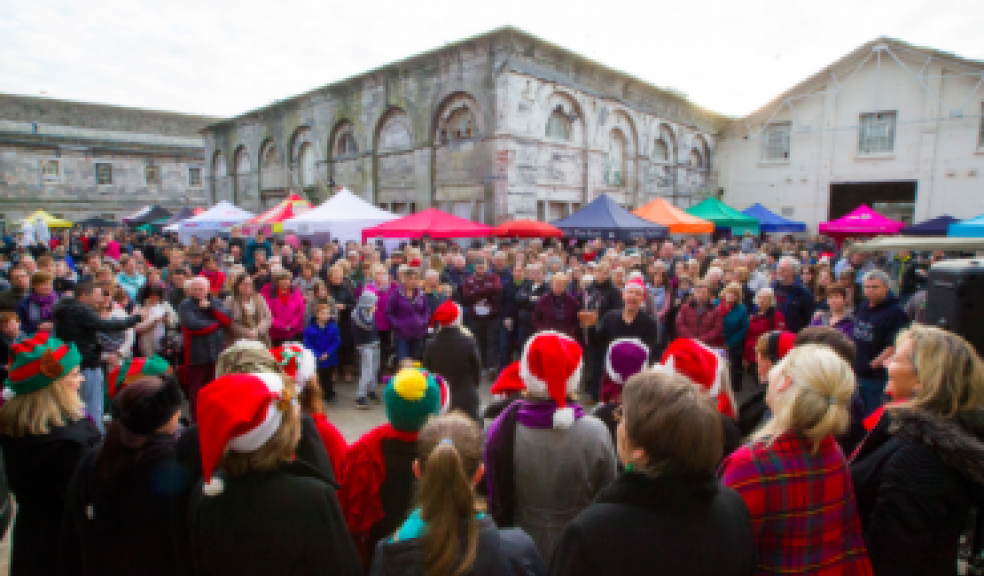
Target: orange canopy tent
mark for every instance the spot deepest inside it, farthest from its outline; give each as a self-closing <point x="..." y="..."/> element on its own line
<point x="679" y="222"/>
<point x="526" y="229"/>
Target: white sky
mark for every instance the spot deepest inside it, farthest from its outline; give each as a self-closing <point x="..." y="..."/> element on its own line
<point x="222" y="57"/>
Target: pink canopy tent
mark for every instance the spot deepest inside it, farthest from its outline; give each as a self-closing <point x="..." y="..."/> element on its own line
<point x="862" y="221"/>
<point x="431" y="222"/>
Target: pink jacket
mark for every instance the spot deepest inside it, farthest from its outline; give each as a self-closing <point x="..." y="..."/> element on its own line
<point x="288" y="319"/>
<point x="113" y="250"/>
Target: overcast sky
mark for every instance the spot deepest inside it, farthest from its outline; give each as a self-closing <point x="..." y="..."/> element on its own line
<point x="222" y="58"/>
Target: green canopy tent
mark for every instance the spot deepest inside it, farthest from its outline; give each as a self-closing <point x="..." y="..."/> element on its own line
<point x="724" y="216"/>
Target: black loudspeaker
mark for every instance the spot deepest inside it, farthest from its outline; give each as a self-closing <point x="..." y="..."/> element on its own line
<point x="955" y="299"/>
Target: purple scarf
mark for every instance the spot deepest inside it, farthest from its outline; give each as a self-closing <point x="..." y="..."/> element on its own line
<point x="45" y="303"/>
<point x="500" y="447"/>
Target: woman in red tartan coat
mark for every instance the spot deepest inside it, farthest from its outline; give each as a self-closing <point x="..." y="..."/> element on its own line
<point x="793" y="476"/>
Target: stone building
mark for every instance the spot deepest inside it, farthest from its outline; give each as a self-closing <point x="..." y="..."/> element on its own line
<point x="502" y="125"/>
<point x="78" y="160"/>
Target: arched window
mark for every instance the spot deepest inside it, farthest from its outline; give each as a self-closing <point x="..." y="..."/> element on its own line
<point x="461" y="125"/>
<point x="347" y="145"/>
<point x="696" y="159"/>
<point x="218" y="165"/>
<point x="559" y="125"/>
<point x="665" y="146"/>
<point x="307" y="166"/>
<point x="242" y="162"/>
<point x="615" y="160"/>
<point x="661" y="152"/>
<point x="270" y="159"/>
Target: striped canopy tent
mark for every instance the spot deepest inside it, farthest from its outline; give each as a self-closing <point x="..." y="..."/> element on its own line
<point x="290" y="207"/>
<point x="679" y="222"/>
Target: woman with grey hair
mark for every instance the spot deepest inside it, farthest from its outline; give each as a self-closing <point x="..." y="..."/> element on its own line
<point x="204" y="319"/>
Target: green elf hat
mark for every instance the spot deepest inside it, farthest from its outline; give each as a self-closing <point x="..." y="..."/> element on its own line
<point x="130" y="370"/>
<point x="39" y="361"/>
<point x="412" y="396"/>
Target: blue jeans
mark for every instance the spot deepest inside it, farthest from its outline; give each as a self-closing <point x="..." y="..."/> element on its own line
<point x="91" y="392"/>
<point x="872" y="393"/>
<point x="407" y="348"/>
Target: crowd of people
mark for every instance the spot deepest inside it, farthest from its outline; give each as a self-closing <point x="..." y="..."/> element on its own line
<point x="743" y="406"/>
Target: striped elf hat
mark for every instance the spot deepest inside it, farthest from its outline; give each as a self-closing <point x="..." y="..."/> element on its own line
<point x="130" y="370"/>
<point x="39" y="361"/>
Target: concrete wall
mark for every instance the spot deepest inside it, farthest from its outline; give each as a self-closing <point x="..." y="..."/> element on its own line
<point x="934" y="145"/>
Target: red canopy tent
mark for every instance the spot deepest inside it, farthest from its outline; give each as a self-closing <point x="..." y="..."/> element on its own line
<point x="862" y="221"/>
<point x="526" y="229"/>
<point x="431" y="222"/>
<point x="288" y="208"/>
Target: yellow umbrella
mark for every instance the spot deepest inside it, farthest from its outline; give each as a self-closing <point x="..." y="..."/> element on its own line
<point x="49" y="220"/>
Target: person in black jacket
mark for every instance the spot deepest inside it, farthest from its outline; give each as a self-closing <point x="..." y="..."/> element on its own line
<point x="447" y="521"/>
<point x="920" y="470"/>
<point x="44" y="434"/>
<point x="601" y="299"/>
<point x="343" y="295"/>
<point x="527" y="295"/>
<point x="667" y="509"/>
<point x="793" y="299"/>
<point x="118" y="502"/>
<point x="77" y="321"/>
<point x="453" y="353"/>
<point x="509" y="313"/>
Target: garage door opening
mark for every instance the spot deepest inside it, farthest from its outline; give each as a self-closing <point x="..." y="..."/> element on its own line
<point x="895" y="200"/>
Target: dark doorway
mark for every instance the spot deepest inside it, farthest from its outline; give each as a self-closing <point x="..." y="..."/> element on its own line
<point x="895" y="200"/>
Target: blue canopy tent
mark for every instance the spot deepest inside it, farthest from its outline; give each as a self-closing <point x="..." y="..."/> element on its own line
<point x="938" y="226"/>
<point x="970" y="228"/>
<point x="604" y="218"/>
<point x="771" y="222"/>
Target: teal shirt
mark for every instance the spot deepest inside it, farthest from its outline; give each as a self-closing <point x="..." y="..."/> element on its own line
<point x="415" y="527"/>
<point x="735" y="326"/>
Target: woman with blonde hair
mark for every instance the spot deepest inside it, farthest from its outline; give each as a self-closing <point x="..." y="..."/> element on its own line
<point x="448" y="466"/>
<point x="793" y="476"/>
<point x="44" y="434"/>
<point x="920" y="470"/>
<point x="251" y="318"/>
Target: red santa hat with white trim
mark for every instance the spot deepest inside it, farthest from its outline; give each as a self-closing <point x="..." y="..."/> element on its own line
<point x="693" y="359"/>
<point x="238" y="412"/>
<point x="508" y="382"/>
<point x="297" y="361"/>
<point x="447" y="314"/>
<point x="551" y="368"/>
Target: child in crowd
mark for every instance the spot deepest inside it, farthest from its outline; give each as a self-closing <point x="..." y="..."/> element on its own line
<point x="323" y="338"/>
<point x="366" y="340"/>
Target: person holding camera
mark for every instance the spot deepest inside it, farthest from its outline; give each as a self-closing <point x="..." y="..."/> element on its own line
<point x="203" y="321"/>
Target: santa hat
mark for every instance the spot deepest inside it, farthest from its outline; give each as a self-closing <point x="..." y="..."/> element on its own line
<point x="778" y="344"/>
<point x="38" y="362"/>
<point x="626" y="357"/>
<point x="693" y="359"/>
<point x="415" y="263"/>
<point x="636" y="282"/>
<point x="238" y="412"/>
<point x="130" y="370"/>
<point x="551" y="367"/>
<point x="508" y="382"/>
<point x="447" y="314"/>
<point x="297" y="361"/>
<point x="412" y="396"/>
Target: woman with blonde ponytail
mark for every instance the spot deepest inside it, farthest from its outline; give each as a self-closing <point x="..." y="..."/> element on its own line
<point x="448" y="534"/>
<point x="793" y="476"/>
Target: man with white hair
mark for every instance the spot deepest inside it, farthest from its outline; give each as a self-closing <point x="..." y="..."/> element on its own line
<point x="203" y="321"/>
<point x="877" y="321"/>
<point x="793" y="299"/>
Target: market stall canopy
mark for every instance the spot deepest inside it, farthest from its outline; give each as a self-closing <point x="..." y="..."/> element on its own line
<point x="724" y="216"/>
<point x="136" y="214"/>
<point x="938" y="226"/>
<point x="343" y="216"/>
<point x="526" y="229"/>
<point x="222" y="216"/>
<point x="97" y="222"/>
<point x="862" y="221"/>
<point x="155" y="214"/>
<point x="918" y="244"/>
<point x="49" y="220"/>
<point x="970" y="228"/>
<point x="291" y="207"/>
<point x="679" y="222"/>
<point x="430" y="222"/>
<point x="182" y="214"/>
<point x="604" y="218"/>
<point x="771" y="222"/>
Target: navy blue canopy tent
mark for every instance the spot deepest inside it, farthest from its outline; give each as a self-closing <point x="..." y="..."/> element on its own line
<point x="938" y="226"/>
<point x="604" y="218"/>
<point x="769" y="222"/>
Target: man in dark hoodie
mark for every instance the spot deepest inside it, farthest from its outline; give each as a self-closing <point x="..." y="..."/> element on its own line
<point x="793" y="299"/>
<point x="876" y="323"/>
<point x="603" y="297"/>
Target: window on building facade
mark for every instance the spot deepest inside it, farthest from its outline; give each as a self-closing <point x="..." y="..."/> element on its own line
<point x="661" y="152"/>
<point x="307" y="165"/>
<point x="347" y="145"/>
<point x="615" y="160"/>
<point x="109" y="216"/>
<point x="153" y="175"/>
<point x="775" y="141"/>
<point x="559" y="125"/>
<point x="696" y="160"/>
<point x="49" y="170"/>
<point x="194" y="177"/>
<point x="877" y="134"/>
<point x="104" y="174"/>
<point x="460" y="125"/>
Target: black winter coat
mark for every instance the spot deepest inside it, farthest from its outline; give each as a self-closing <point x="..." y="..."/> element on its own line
<point x="111" y="529"/>
<point x="640" y="525"/>
<point x="507" y="552"/>
<point x="453" y="354"/>
<point x="284" y="521"/>
<point x="603" y="297"/>
<point x="526" y="298"/>
<point x="78" y="323"/>
<point x="39" y="469"/>
<point x="916" y="477"/>
<point x="204" y="348"/>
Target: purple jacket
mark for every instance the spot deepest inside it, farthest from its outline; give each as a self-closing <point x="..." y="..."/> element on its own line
<point x="382" y="298"/>
<point x="408" y="317"/>
<point x="288" y="319"/>
<point x="845" y="325"/>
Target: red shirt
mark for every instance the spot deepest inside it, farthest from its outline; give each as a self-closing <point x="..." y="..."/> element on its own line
<point x="334" y="442"/>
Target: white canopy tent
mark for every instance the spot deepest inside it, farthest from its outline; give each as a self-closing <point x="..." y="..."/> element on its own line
<point x="137" y="214"/>
<point x="343" y="216"/>
<point x="220" y="217"/>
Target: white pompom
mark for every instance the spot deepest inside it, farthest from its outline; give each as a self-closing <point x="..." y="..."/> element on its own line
<point x="563" y="418"/>
<point x="213" y="487"/>
<point x="8" y="393"/>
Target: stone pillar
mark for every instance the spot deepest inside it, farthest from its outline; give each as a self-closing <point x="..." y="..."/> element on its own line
<point x="424" y="177"/>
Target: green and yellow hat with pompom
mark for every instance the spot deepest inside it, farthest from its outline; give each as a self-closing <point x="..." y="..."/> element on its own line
<point x="38" y="362"/>
<point x="412" y="396"/>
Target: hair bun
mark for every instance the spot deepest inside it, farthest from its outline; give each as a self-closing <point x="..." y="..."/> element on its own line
<point x="49" y="365"/>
